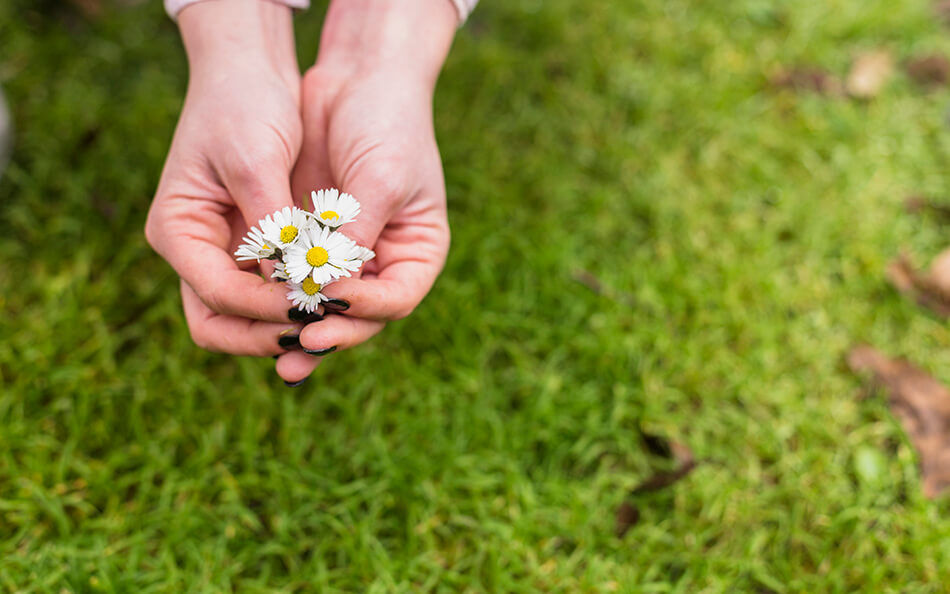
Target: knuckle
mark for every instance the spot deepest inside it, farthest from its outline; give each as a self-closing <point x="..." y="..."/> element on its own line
<point x="384" y="173"/>
<point x="389" y="178"/>
<point x="215" y="299"/>
<point x="152" y="231"/>
<point x="201" y="338"/>
<point x="247" y="165"/>
<point x="403" y="311"/>
<point x="151" y="234"/>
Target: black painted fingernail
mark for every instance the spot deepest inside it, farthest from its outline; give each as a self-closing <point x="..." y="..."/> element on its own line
<point x="296" y="384"/>
<point x="337" y="305"/>
<point x="320" y="352"/>
<point x="290" y="342"/>
<point x="299" y="315"/>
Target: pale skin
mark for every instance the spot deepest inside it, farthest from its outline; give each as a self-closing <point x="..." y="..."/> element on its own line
<point x="253" y="136"/>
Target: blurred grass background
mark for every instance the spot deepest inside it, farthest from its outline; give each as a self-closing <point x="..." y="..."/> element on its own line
<point x="484" y="443"/>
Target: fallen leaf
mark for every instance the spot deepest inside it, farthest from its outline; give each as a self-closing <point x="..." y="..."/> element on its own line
<point x="807" y="78"/>
<point x="921" y="404"/>
<point x="656" y="444"/>
<point x="627" y="517"/>
<point x="931" y="289"/>
<point x="916" y="204"/>
<point x="90" y="8"/>
<point x="685" y="463"/>
<point x="598" y="287"/>
<point x="932" y="70"/>
<point x="868" y="74"/>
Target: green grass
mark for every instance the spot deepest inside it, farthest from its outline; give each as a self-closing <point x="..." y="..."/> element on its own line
<point x="483" y="444"/>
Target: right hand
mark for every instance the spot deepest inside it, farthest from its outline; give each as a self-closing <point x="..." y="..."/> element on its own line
<point x="229" y="165"/>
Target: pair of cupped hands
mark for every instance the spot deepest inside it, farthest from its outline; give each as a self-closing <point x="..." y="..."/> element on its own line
<point x="254" y="136"/>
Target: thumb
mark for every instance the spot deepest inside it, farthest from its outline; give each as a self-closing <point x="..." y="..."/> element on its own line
<point x="380" y="197"/>
<point x="258" y="188"/>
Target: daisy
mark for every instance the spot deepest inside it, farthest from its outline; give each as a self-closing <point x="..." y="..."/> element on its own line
<point x="333" y="209"/>
<point x="320" y="254"/>
<point x="280" y="271"/>
<point x="283" y="227"/>
<point x="364" y="254"/>
<point x="255" y="247"/>
<point x="356" y="255"/>
<point x="306" y="295"/>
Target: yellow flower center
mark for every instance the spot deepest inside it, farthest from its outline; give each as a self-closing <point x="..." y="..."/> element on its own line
<point x="309" y="287"/>
<point x="288" y="233"/>
<point x="329" y="214"/>
<point x="317" y="256"/>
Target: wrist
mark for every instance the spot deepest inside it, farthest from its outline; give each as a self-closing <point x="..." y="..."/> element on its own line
<point x="408" y="37"/>
<point x="247" y="33"/>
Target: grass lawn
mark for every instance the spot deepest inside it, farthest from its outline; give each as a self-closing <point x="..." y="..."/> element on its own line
<point x="484" y="443"/>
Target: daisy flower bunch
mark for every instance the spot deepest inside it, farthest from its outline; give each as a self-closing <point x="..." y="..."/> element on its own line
<point x="306" y="247"/>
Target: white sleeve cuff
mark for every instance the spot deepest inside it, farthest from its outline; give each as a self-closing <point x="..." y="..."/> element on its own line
<point x="464" y="8"/>
<point x="173" y="7"/>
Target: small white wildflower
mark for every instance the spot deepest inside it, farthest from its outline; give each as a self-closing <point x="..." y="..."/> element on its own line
<point x="306" y="295"/>
<point x="333" y="209"/>
<point x="280" y="271"/>
<point x="255" y="247"/>
<point x="320" y="254"/>
<point x="352" y="256"/>
<point x="364" y="254"/>
<point x="283" y="227"/>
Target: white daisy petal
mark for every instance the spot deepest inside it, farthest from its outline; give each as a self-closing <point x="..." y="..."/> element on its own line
<point x="319" y="254"/>
<point x="255" y="247"/>
<point x="306" y="295"/>
<point x="280" y="272"/>
<point x="365" y="254"/>
<point x="284" y="226"/>
<point x="333" y="209"/>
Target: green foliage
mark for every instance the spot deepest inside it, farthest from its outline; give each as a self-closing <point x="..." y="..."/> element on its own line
<point x="484" y="443"/>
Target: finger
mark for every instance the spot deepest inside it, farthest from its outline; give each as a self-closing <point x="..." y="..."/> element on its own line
<point x="230" y="334"/>
<point x="410" y="264"/>
<point x="296" y="366"/>
<point x="338" y="333"/>
<point x="191" y="235"/>
<point x="259" y="183"/>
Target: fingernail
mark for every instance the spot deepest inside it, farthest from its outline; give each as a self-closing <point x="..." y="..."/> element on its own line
<point x="337" y="305"/>
<point x="299" y="315"/>
<point x="320" y="352"/>
<point x="290" y="342"/>
<point x="296" y="384"/>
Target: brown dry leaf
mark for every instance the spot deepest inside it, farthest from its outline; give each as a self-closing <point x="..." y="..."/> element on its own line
<point x="869" y="73"/>
<point x="932" y="70"/>
<point x="915" y="204"/>
<point x="627" y="517"/>
<point x="627" y="513"/>
<point x="90" y="8"/>
<point x="598" y="287"/>
<point x="921" y="403"/>
<point x="807" y="78"/>
<point x="931" y="289"/>
<point x="685" y="463"/>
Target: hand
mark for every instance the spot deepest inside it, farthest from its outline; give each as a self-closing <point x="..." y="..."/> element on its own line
<point x="229" y="165"/>
<point x="367" y="114"/>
